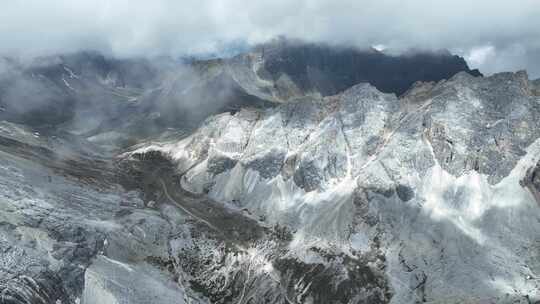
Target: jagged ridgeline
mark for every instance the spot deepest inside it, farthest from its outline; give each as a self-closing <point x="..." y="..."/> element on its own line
<point x="294" y="173"/>
<point x="120" y="100"/>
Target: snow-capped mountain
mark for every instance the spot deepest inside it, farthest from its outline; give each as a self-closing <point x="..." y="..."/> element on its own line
<point x="294" y="173"/>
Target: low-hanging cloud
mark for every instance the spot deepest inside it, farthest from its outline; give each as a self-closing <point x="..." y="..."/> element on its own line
<point x="508" y="30"/>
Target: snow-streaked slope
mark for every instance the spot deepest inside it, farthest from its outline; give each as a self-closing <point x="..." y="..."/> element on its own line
<point x="429" y="183"/>
<point x="65" y="222"/>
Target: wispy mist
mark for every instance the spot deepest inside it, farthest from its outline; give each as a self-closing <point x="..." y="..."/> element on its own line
<point x="115" y="101"/>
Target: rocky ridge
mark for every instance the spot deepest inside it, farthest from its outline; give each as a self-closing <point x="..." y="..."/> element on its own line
<point x="419" y="183"/>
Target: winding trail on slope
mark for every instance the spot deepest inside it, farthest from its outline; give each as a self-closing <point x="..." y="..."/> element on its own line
<point x="177" y="204"/>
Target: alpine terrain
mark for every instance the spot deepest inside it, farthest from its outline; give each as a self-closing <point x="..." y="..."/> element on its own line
<point x="290" y="173"/>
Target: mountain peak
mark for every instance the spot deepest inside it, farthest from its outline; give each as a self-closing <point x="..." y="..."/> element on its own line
<point x="330" y="69"/>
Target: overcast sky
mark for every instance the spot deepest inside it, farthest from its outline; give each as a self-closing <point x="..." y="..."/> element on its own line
<point x="493" y="35"/>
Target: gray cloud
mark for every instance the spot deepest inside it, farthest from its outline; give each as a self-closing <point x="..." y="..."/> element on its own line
<point x="171" y="27"/>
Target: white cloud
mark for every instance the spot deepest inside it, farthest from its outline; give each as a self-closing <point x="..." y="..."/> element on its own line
<point x="490" y="59"/>
<point x="379" y="47"/>
<point x="477" y="56"/>
<point x="141" y="27"/>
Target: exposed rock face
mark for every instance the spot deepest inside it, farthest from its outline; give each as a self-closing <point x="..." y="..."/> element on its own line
<point x="492" y="134"/>
<point x="418" y="191"/>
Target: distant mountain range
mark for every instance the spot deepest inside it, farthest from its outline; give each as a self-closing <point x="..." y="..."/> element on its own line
<point x="90" y="92"/>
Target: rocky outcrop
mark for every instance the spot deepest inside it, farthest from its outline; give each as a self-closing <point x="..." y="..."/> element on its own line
<point x="498" y="124"/>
